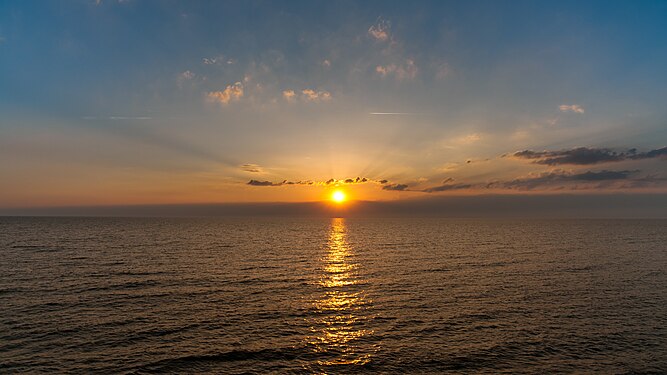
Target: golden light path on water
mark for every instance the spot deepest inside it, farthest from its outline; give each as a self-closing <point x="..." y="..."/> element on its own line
<point x="339" y="327"/>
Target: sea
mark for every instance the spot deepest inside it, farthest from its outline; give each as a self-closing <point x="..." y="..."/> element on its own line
<point x="332" y="296"/>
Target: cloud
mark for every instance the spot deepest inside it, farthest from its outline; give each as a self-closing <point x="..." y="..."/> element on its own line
<point x="406" y="71"/>
<point x="601" y="175"/>
<point x="231" y="93"/>
<point x="395" y="187"/>
<point x="289" y="95"/>
<point x="576" y="108"/>
<point x="218" y="60"/>
<point x="307" y="95"/>
<point x="547" y="181"/>
<point x="187" y="75"/>
<point x="184" y="77"/>
<point x="447" y="185"/>
<point x="329" y="182"/>
<point x="559" y="177"/>
<point x="326" y="63"/>
<point x="586" y="156"/>
<point x="315" y="96"/>
<point x="661" y="152"/>
<point x="381" y="30"/>
<point x="252" y="168"/>
<point x="263" y="183"/>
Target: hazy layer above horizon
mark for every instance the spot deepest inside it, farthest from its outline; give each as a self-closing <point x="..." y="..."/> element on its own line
<point x="492" y="206"/>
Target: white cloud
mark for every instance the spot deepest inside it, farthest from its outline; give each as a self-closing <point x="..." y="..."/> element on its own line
<point x="381" y="30"/>
<point x="406" y="71"/>
<point x="326" y="63"/>
<point x="218" y="60"/>
<point x="231" y="93"/>
<point x="184" y="77"/>
<point x="576" y="108"/>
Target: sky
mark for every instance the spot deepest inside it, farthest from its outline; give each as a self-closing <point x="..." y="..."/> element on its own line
<point x="130" y="102"/>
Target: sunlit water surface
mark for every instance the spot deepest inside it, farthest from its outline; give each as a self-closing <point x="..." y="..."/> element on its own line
<point x="83" y="295"/>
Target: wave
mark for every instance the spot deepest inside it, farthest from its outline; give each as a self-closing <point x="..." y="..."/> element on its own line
<point x="208" y="360"/>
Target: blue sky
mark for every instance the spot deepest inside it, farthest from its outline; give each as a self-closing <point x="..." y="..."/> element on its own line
<point x="162" y="101"/>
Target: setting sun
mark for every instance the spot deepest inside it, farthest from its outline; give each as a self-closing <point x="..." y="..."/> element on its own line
<point x="338" y="196"/>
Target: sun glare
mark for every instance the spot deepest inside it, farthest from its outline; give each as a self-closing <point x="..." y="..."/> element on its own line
<point x="338" y="196"/>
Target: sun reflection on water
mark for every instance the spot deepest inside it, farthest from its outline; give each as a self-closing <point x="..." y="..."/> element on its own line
<point x="339" y="330"/>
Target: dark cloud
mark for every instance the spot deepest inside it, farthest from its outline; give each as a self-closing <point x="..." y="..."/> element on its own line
<point x="446" y="186"/>
<point x="263" y="183"/>
<point x="559" y="177"/>
<point x="331" y="181"/>
<point x="587" y="156"/>
<point x="395" y="187"/>
<point x="357" y="180"/>
<point x="656" y="153"/>
<point x="601" y="175"/>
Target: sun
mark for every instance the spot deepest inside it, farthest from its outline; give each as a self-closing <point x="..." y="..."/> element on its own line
<point x="338" y="196"/>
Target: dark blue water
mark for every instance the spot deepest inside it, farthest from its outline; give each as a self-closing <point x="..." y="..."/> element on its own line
<point x="82" y="295"/>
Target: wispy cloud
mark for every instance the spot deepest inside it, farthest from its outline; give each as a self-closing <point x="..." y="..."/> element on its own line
<point x="381" y="30"/>
<point x="447" y="185"/>
<point x="252" y="168"/>
<point x="218" y="60"/>
<point x="556" y="179"/>
<point x="230" y="93"/>
<point x="184" y="77"/>
<point x="406" y="71"/>
<point x="576" y="108"/>
<point x="187" y="75"/>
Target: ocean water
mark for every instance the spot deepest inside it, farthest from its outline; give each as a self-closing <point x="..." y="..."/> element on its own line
<point x="112" y="295"/>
